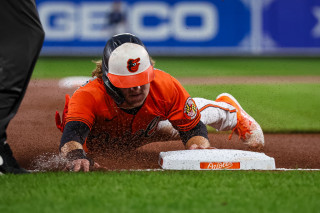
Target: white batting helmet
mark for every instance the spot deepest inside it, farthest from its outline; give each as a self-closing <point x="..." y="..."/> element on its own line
<point x="130" y="66"/>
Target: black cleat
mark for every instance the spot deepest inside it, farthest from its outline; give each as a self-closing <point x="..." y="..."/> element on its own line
<point x="8" y="163"/>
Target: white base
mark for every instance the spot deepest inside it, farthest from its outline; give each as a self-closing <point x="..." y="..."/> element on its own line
<point x="215" y="159"/>
<point x="71" y="82"/>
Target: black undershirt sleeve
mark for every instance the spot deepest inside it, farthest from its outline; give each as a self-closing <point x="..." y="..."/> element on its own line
<point x="199" y="130"/>
<point x="78" y="131"/>
<point x="74" y="131"/>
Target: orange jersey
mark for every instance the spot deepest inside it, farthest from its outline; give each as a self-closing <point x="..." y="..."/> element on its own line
<point x="109" y="125"/>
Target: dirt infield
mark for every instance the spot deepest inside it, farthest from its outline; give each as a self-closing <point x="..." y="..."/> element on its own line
<point x="34" y="138"/>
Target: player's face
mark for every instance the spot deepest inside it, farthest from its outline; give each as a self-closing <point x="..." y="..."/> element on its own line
<point x="135" y="96"/>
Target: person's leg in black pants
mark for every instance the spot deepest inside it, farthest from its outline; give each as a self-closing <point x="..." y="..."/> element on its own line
<point x="21" y="39"/>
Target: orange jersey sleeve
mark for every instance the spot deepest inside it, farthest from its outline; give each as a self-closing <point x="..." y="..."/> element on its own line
<point x="175" y="102"/>
<point x="87" y="103"/>
<point x="81" y="108"/>
<point x="184" y="112"/>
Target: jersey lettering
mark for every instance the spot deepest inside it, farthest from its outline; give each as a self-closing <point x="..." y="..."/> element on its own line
<point x="127" y="139"/>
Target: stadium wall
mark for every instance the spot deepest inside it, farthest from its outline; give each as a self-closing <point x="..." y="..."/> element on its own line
<point x="185" y="27"/>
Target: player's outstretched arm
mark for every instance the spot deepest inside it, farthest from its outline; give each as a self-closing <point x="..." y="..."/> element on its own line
<point x="71" y="147"/>
<point x="196" y="138"/>
<point x="78" y="161"/>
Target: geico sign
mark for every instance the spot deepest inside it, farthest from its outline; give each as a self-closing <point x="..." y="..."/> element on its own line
<point x="68" y="21"/>
<point x="173" y="20"/>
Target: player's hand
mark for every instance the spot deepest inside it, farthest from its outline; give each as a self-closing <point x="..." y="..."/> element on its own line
<point x="78" y="160"/>
<point x="81" y="165"/>
<point x="196" y="146"/>
<point x="198" y="142"/>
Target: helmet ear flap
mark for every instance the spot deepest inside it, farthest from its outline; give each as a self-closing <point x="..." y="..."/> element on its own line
<point x="113" y="91"/>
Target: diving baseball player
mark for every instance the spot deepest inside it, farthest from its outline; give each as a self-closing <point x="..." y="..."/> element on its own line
<point x="130" y="103"/>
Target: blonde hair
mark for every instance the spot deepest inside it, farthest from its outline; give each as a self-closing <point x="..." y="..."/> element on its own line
<point x="97" y="72"/>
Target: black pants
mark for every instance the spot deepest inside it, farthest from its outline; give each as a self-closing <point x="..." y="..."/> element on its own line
<point x="21" y="39"/>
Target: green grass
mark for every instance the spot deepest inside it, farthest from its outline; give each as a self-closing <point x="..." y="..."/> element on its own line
<point x="182" y="67"/>
<point x="277" y="107"/>
<point x="189" y="67"/>
<point x="63" y="67"/>
<point x="169" y="191"/>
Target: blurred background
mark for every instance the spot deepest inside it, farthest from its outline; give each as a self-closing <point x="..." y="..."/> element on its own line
<point x="184" y="27"/>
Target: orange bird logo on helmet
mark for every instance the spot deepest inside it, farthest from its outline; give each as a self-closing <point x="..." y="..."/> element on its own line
<point x="133" y="65"/>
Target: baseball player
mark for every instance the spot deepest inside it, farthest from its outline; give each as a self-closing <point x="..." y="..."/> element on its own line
<point x="21" y="38"/>
<point x="130" y="103"/>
